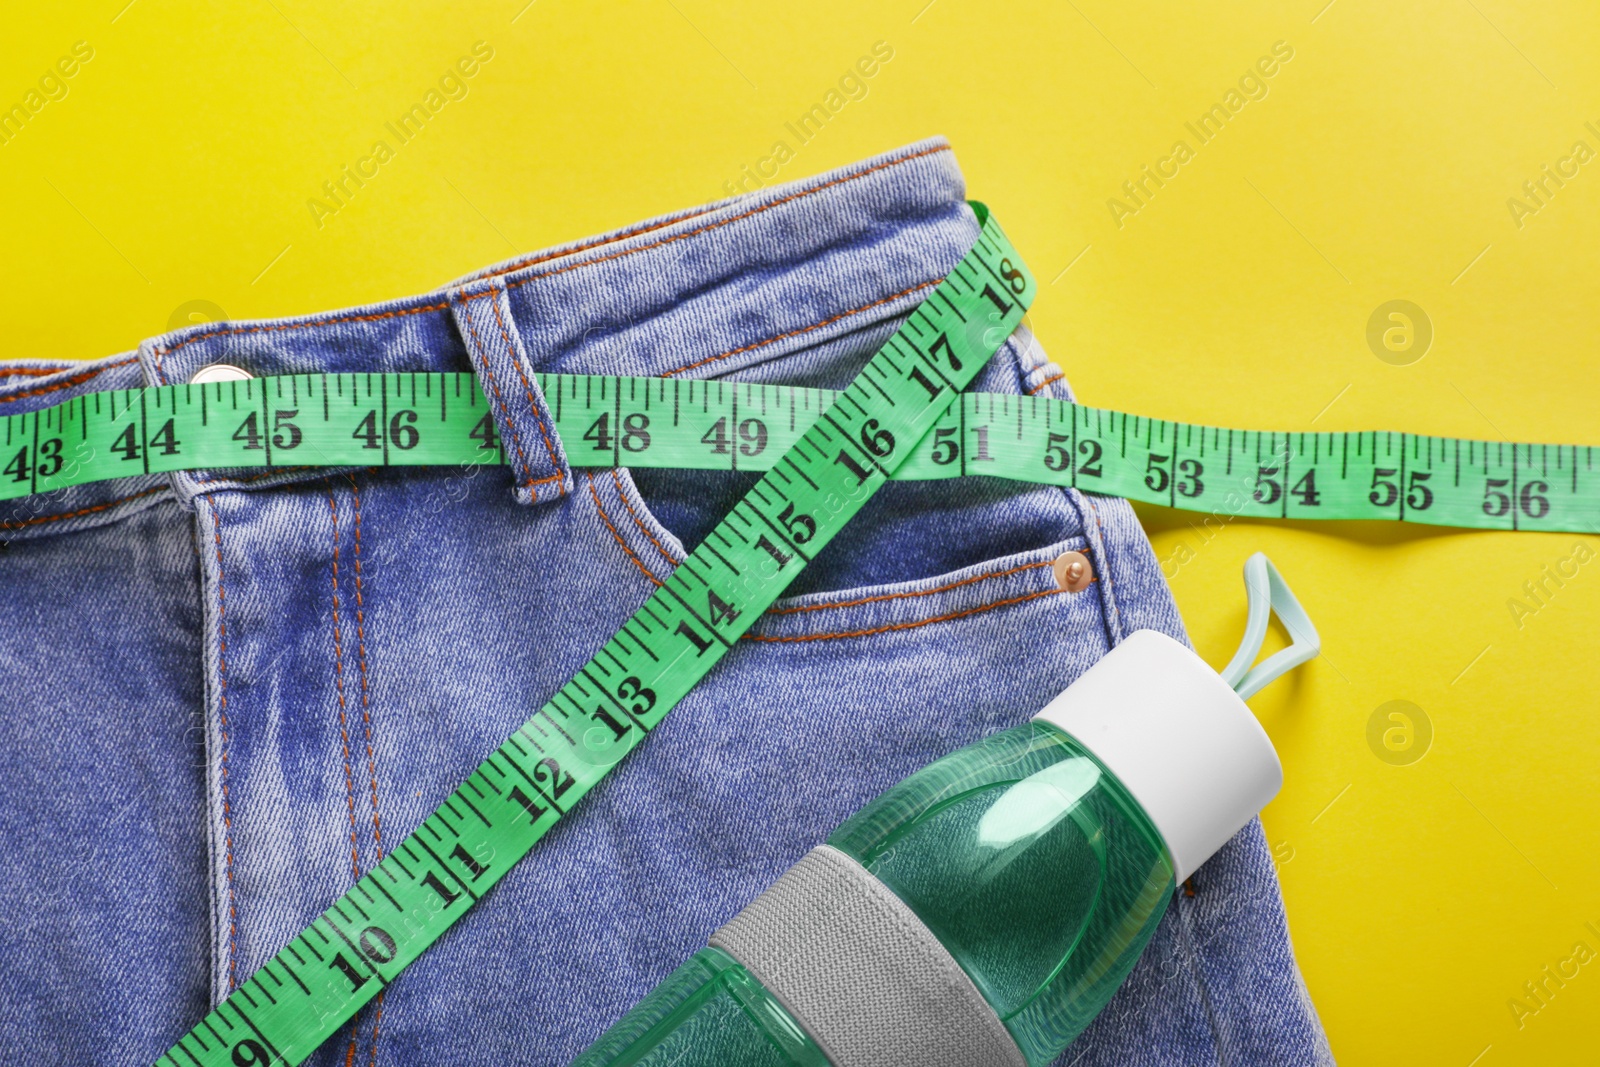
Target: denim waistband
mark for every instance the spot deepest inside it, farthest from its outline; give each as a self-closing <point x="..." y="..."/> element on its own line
<point x="704" y="292"/>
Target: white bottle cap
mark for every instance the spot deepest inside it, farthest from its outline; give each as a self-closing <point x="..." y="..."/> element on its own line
<point x="1177" y="737"/>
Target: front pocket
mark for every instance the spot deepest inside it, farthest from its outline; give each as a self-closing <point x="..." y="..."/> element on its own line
<point x="909" y="531"/>
<point x="1015" y="532"/>
<point x="877" y="611"/>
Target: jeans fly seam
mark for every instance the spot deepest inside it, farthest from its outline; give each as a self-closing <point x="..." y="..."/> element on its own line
<point x="516" y="437"/>
<point x="511" y="354"/>
<point x="377" y="1021"/>
<point x="338" y="685"/>
<point x="366" y="721"/>
<point x="361" y="665"/>
<point x="896" y="626"/>
<point x="637" y="562"/>
<point x="222" y="720"/>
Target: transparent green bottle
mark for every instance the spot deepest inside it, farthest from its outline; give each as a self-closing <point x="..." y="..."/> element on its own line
<point x="984" y="910"/>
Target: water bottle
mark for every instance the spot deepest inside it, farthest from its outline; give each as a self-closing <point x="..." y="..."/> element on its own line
<point x="985" y="909"/>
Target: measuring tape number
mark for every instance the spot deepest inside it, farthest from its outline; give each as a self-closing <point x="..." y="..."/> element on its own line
<point x="370" y="934"/>
<point x="822" y="454"/>
<point x="433" y="419"/>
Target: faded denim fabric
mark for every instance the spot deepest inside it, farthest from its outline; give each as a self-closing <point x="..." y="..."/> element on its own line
<point x="228" y="693"/>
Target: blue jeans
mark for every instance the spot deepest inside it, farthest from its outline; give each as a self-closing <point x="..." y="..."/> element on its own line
<point x="227" y="695"/>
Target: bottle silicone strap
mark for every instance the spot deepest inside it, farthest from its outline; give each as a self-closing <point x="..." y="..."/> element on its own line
<point x="1266" y="592"/>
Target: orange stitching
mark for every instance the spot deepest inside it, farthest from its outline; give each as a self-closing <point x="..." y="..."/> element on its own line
<point x="804" y="329"/>
<point x="637" y="562"/>
<point x="222" y="717"/>
<point x="534" y="483"/>
<point x="642" y="527"/>
<point x="269" y="472"/>
<point x="598" y="242"/>
<point x="361" y="663"/>
<point x="17" y="524"/>
<point x="516" y="437"/>
<point x="338" y="684"/>
<point x="527" y="386"/>
<point x="917" y="592"/>
<point x="1106" y="592"/>
<point x="292" y="470"/>
<point x="1044" y="383"/>
<point x="377" y="1021"/>
<point x="556" y="477"/>
<point x="76" y="379"/>
<point x="31" y="372"/>
<point x="907" y="625"/>
<point x="163" y="353"/>
<point x="730" y="219"/>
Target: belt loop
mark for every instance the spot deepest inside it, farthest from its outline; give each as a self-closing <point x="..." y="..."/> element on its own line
<point x="526" y="426"/>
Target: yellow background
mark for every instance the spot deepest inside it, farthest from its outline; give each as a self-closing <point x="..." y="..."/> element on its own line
<point x="1378" y="166"/>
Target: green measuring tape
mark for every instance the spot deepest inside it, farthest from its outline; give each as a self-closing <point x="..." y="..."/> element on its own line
<point x="824" y="453"/>
<point x="367" y="937"/>
<point x="443" y="419"/>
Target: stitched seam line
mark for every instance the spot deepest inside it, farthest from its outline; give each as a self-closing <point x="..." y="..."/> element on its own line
<point x="534" y="483"/>
<point x="804" y="329"/>
<point x="731" y="219"/>
<point x="76" y="379"/>
<point x="361" y="664"/>
<point x="637" y="562"/>
<point x="910" y="593"/>
<point x="366" y="720"/>
<point x="338" y="685"/>
<point x="598" y="243"/>
<point x="222" y="718"/>
<point x="163" y="353"/>
<point x="615" y="477"/>
<point x="511" y="354"/>
<point x="377" y="1021"/>
<point x="1106" y="586"/>
<point x="906" y="625"/>
<point x="255" y="477"/>
<point x="1047" y="381"/>
<point x="516" y="438"/>
<point x="17" y="524"/>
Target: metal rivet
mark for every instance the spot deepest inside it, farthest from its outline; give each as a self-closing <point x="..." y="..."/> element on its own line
<point x="219" y="372"/>
<point x="1073" y="571"/>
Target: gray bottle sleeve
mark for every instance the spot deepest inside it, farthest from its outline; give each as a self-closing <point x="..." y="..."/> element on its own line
<point x="857" y="968"/>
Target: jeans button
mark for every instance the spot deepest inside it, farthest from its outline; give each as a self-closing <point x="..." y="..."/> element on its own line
<point x="1073" y="572"/>
<point x="219" y="372"/>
